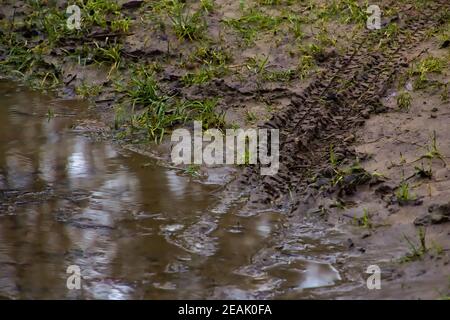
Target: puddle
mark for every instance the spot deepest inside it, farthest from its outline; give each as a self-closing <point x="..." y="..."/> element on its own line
<point x="136" y="231"/>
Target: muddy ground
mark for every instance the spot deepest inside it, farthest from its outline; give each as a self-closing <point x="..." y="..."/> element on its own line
<point x="363" y="114"/>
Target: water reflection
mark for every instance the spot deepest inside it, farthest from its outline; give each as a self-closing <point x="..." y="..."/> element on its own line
<point x="135" y="231"/>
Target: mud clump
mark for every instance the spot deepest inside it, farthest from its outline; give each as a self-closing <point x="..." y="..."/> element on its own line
<point x="437" y="214"/>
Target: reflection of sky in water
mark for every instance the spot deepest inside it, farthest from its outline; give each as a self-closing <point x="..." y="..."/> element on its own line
<point x="111" y="291"/>
<point x="77" y="166"/>
<point x="264" y="225"/>
<point x="176" y="184"/>
<point x="319" y="275"/>
<point x="90" y="220"/>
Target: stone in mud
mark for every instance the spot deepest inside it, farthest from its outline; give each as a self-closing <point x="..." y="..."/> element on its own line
<point x="444" y="44"/>
<point x="132" y="4"/>
<point x="436" y="214"/>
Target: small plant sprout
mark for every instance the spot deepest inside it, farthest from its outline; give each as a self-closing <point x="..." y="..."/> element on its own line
<point x="417" y="251"/>
<point x="189" y="26"/>
<point x="433" y="151"/>
<point x="88" y="91"/>
<point x="192" y="170"/>
<point x="404" y="101"/>
<point x="250" y="116"/>
<point x="365" y="220"/>
<point x="111" y="55"/>
<point x="424" y="68"/>
<point x="257" y="65"/>
<point x="333" y="159"/>
<point x="207" y="5"/>
<point x="254" y="22"/>
<point x="403" y="193"/>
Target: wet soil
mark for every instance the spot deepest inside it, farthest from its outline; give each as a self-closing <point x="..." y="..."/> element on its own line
<point x="141" y="230"/>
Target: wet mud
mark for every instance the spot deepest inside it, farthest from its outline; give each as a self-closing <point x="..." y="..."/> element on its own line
<point x="139" y="228"/>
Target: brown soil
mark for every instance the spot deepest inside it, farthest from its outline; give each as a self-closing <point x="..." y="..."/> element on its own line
<point x="349" y="102"/>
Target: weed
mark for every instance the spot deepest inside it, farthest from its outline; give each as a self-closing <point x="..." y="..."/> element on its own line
<point x="433" y="151"/>
<point x="159" y="112"/>
<point x="365" y="220"/>
<point x="44" y="80"/>
<point x="348" y="11"/>
<point x="305" y="65"/>
<point x="252" y="23"/>
<point x="88" y="91"/>
<point x="404" y="100"/>
<point x="207" y="5"/>
<point x="111" y="55"/>
<point x="205" y="111"/>
<point x="29" y="64"/>
<point x="437" y="248"/>
<point x="203" y="75"/>
<point x="256" y="64"/>
<point x="416" y="251"/>
<point x="213" y="60"/>
<point x="348" y="179"/>
<point x="102" y="13"/>
<point x="192" y="170"/>
<point x="391" y="31"/>
<point x="121" y="25"/>
<point x="295" y="26"/>
<point x="333" y="159"/>
<point x="158" y="118"/>
<point x="189" y="26"/>
<point x="312" y="50"/>
<point x="143" y="88"/>
<point x="250" y="117"/>
<point x="279" y="75"/>
<point x="269" y="2"/>
<point x="211" y="55"/>
<point x="403" y="193"/>
<point x="424" y="68"/>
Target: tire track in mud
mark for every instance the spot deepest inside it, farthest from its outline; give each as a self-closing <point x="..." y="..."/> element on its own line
<point x="338" y="100"/>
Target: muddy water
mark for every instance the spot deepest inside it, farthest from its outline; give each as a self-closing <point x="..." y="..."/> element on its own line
<point x="136" y="230"/>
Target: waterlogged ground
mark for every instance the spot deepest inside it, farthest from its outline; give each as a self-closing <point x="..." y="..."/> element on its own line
<point x="364" y="149"/>
<point x="136" y="230"/>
